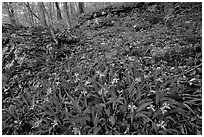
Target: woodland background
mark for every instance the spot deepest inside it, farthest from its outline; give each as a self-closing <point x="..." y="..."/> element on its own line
<point x="128" y="68"/>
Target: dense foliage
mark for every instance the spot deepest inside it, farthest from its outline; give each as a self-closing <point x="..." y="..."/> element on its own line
<point x="121" y="70"/>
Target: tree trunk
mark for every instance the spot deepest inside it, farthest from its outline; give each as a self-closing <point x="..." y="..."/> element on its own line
<point x="42" y="13"/>
<point x="49" y="23"/>
<point x="72" y="8"/>
<point x="10" y="10"/>
<point x="51" y="12"/>
<point x="30" y="15"/>
<point x="67" y="14"/>
<point x="31" y="10"/>
<point x="59" y="15"/>
<point x="81" y="7"/>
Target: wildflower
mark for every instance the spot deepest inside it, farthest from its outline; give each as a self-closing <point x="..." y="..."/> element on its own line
<point x="46" y="99"/>
<point x="191" y="81"/>
<point x="167" y="89"/>
<point x="17" y="122"/>
<point x="146" y="76"/>
<point x="57" y="82"/>
<point x="162" y="125"/>
<point x="76" y="131"/>
<point x="32" y="107"/>
<point x="36" y="85"/>
<point x="164" y="107"/>
<point x="87" y="82"/>
<point x="158" y="68"/>
<point x="102" y="105"/>
<point x="152" y="91"/>
<point x="112" y="64"/>
<point x="84" y="92"/>
<point x="9" y="65"/>
<point x="103" y="91"/>
<point x="115" y="80"/>
<point x="100" y="74"/>
<point x="138" y="80"/>
<point x="127" y="129"/>
<point x="77" y="77"/>
<point x="131" y="107"/>
<point x="37" y="123"/>
<point x="152" y="107"/>
<point x="131" y="58"/>
<point x="159" y="79"/>
<point x="49" y="91"/>
<point x="163" y="110"/>
<point x="54" y="123"/>
<point x="76" y="80"/>
<point x="76" y="74"/>
<point x="68" y="80"/>
<point x="120" y="91"/>
<point x="66" y="102"/>
<point x="172" y="68"/>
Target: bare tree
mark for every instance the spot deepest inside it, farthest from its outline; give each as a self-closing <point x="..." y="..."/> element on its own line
<point x="42" y="13"/>
<point x="67" y="14"/>
<point x="11" y="14"/>
<point x="59" y="15"/>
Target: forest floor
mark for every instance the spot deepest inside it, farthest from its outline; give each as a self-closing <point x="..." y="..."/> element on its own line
<point x="123" y="69"/>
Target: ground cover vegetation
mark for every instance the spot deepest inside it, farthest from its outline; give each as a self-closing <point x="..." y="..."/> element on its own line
<point x="121" y="70"/>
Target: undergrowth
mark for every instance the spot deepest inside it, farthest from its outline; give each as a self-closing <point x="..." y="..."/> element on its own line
<point x="122" y="74"/>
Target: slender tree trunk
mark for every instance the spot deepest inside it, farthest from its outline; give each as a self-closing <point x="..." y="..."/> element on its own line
<point x="50" y="12"/>
<point x="49" y="23"/>
<point x="42" y="13"/>
<point x="11" y="13"/>
<point x="32" y="9"/>
<point x="59" y="15"/>
<point x="67" y="14"/>
<point x="81" y="7"/>
<point x="30" y="15"/>
<point x="72" y="10"/>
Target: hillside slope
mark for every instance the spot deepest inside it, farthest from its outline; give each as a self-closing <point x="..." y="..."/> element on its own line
<point x="121" y="70"/>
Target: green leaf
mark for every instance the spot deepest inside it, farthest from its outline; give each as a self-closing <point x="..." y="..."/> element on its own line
<point x="187" y="106"/>
<point x="96" y="130"/>
<point x="141" y="107"/>
<point x="75" y="103"/>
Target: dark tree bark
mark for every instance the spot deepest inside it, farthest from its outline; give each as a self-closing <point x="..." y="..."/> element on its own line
<point x="30" y="10"/>
<point x="81" y="7"/>
<point x="59" y="15"/>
